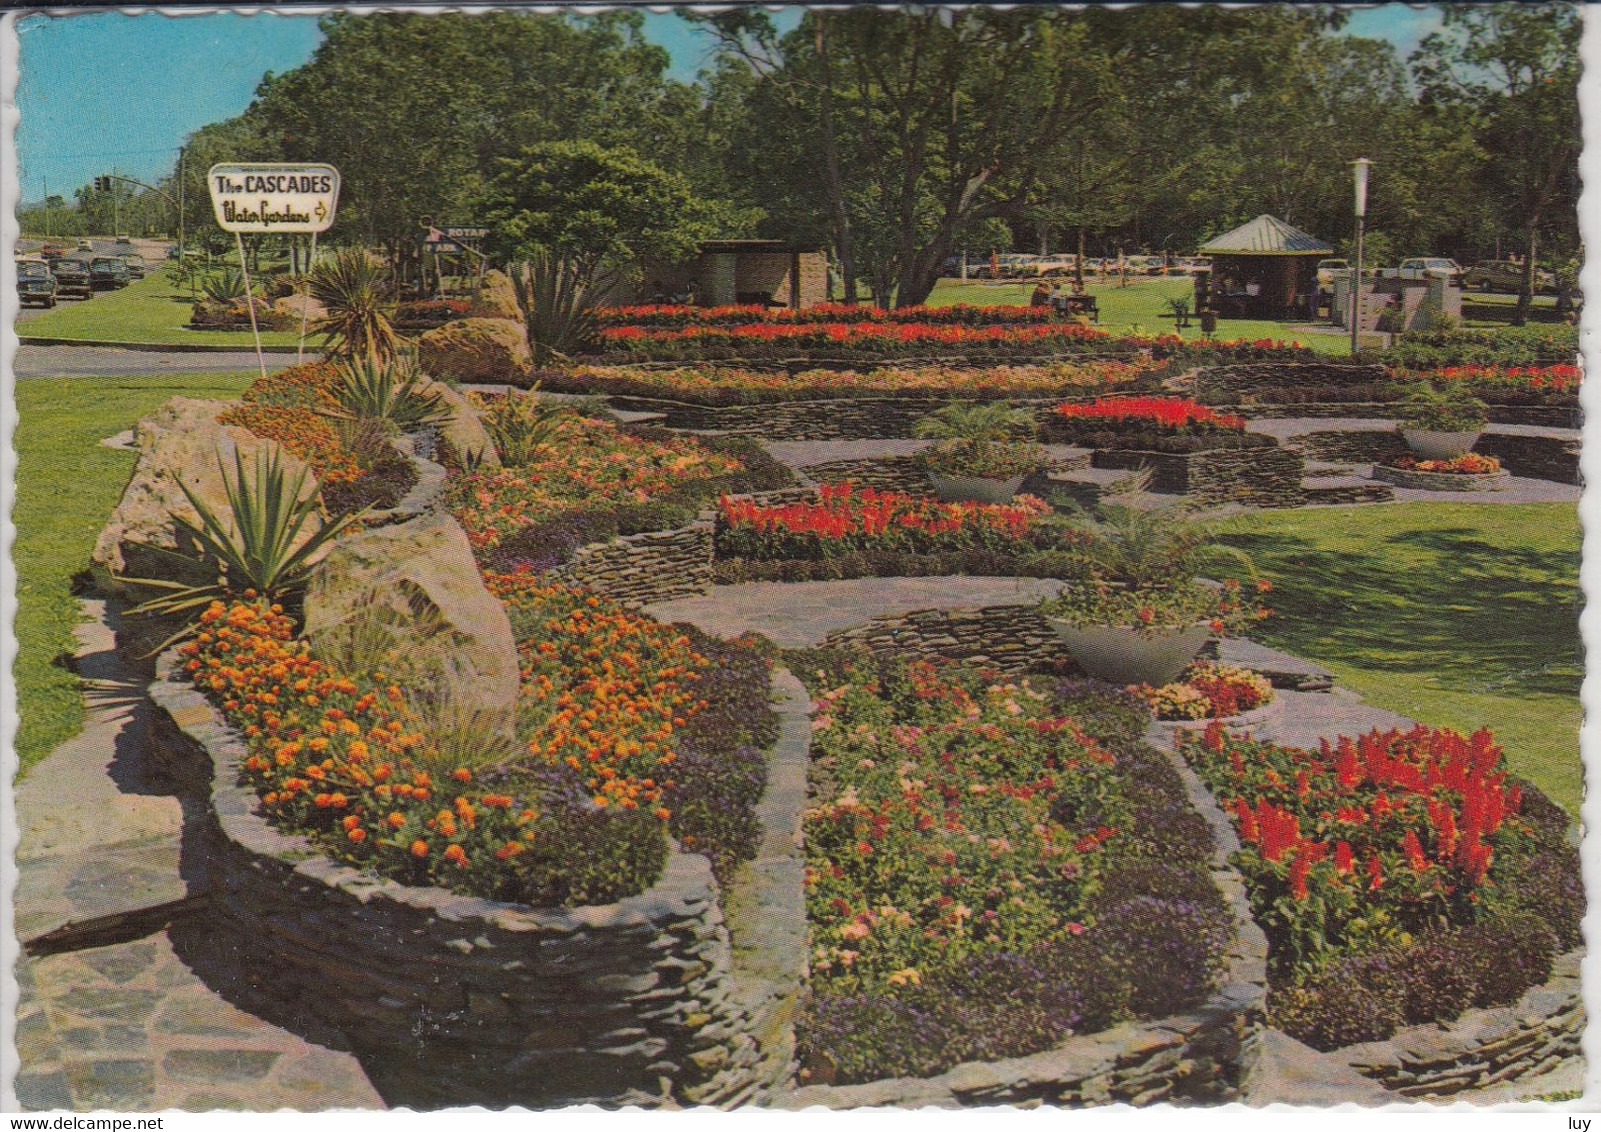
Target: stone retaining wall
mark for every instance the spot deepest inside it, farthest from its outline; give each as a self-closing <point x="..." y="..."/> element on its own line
<point x="1229" y="385"/>
<point x="1343" y="446"/>
<point x="1013" y="639"/>
<point x="1262" y="477"/>
<point x="459" y="1000"/>
<point x="1440" y="481"/>
<point x="841" y="418"/>
<point x="636" y="570"/>
<point x="1537" y="457"/>
<point x="1483" y="1047"/>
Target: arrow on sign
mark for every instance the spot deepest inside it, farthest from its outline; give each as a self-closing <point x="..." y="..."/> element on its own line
<point x="321" y="211"/>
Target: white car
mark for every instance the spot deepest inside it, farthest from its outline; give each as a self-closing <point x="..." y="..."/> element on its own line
<point x="1422" y="268"/>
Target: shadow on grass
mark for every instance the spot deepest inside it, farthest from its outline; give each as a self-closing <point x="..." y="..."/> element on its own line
<point x="1474" y="615"/>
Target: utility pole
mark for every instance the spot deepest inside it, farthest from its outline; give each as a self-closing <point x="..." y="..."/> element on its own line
<point x="116" y="207"/>
<point x="47" y="208"/>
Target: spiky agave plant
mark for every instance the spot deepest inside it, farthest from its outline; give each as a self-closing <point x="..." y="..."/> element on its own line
<point x="558" y="305"/>
<point x="353" y="287"/>
<point x="523" y="425"/>
<point x="224" y="286"/>
<point x="389" y="390"/>
<point x="264" y="547"/>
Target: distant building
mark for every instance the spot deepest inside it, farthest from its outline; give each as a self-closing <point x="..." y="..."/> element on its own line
<point x="765" y="272"/>
<point x="1265" y="269"/>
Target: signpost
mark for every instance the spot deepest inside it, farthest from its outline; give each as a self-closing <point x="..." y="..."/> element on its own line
<point x="279" y="199"/>
<point x="450" y="240"/>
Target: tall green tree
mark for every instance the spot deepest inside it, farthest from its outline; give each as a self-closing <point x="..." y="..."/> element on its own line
<point x="1511" y="72"/>
<point x="604" y="210"/>
<point x="920" y="123"/>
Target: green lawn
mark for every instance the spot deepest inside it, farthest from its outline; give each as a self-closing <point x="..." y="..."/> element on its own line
<point x="1458" y="615"/>
<point x="151" y="310"/>
<point x="1142" y="306"/>
<point x="67" y="484"/>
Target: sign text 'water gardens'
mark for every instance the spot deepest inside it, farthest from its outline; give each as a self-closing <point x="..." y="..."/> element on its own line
<point x="274" y="197"/>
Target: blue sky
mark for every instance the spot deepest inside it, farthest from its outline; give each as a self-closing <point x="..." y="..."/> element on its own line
<point x="105" y="91"/>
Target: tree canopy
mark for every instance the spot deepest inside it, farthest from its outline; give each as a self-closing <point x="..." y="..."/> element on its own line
<point x="899" y="137"/>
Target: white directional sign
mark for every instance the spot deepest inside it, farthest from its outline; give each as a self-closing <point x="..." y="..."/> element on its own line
<point x="274" y="197"/>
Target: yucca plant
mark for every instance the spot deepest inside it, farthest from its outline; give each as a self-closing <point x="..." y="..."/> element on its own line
<point x="386" y="389"/>
<point x="260" y="548"/>
<point x="558" y="307"/>
<point x="353" y="287"/>
<point x="522" y="425"/>
<point x="224" y="286"/>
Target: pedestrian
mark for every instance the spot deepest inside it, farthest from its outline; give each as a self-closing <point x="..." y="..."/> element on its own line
<point x="1041" y="296"/>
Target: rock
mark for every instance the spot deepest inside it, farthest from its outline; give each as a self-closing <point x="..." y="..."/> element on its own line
<point x="496" y="298"/>
<point x="465" y="431"/>
<point x="292" y="307"/>
<point x="476" y="349"/>
<point x="181" y="439"/>
<point x="417" y="574"/>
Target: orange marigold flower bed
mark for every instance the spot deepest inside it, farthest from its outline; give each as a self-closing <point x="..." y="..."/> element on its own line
<point x="304" y="432"/>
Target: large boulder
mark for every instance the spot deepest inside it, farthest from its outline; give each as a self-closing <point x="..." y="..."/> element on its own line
<point x="417" y="584"/>
<point x="292" y="307"/>
<point x="476" y="349"/>
<point x="496" y="298"/>
<point x="180" y="441"/>
<point x="465" y="431"/>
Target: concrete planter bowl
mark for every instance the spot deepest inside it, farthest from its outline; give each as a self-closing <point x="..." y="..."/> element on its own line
<point x="1122" y="655"/>
<point x="975" y="489"/>
<point x="1427" y="444"/>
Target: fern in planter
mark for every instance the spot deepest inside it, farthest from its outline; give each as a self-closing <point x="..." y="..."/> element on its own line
<point x="1448" y="410"/>
<point x="980" y="439"/>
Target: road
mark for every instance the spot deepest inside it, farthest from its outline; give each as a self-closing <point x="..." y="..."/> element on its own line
<point x="102" y="361"/>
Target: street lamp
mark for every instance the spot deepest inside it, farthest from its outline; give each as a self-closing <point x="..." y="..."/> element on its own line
<point x="1360" y="166"/>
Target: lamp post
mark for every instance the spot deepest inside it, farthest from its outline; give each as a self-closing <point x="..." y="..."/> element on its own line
<point x="1361" y="166"/>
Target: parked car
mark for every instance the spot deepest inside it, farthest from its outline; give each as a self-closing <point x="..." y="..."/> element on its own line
<point x="86" y="245"/>
<point x="136" y="265"/>
<point x="107" y="273"/>
<point x="35" y="284"/>
<point x="1053" y="265"/>
<point x="72" y="276"/>
<point x="124" y="242"/>
<point x="1423" y="267"/>
<point x="51" y="251"/>
<point x="1328" y="270"/>
<point x="1507" y="277"/>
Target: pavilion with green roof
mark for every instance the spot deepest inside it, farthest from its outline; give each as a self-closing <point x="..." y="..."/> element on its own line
<point x="1265" y="269"/>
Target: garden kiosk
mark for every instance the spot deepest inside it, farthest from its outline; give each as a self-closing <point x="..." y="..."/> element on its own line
<point x="1265" y="269"/>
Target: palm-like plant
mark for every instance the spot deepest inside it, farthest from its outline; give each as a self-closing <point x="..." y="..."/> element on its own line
<point x="1132" y="543"/>
<point x="224" y="286"/>
<point x="557" y="303"/>
<point x="522" y="426"/>
<point x="265" y="546"/>
<point x="975" y="421"/>
<point x="353" y="287"/>
<point x="374" y="389"/>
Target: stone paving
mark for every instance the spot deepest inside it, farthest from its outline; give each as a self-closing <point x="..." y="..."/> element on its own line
<point x="130" y="1025"/>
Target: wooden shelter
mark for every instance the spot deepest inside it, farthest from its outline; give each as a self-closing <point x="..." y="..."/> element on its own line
<point x="1265" y="269"/>
<point x="764" y="272"/>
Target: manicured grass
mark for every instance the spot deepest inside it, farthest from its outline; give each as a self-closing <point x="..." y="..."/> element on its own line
<point x="1141" y="307"/>
<point x="1458" y="615"/>
<point x="152" y="309"/>
<point x="67" y="484"/>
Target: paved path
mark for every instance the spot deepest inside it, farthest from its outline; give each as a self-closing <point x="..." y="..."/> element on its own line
<point x="135" y="1024"/>
<point x="1287" y="428"/>
<point x="101" y="361"/>
<point x="800" y="614"/>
